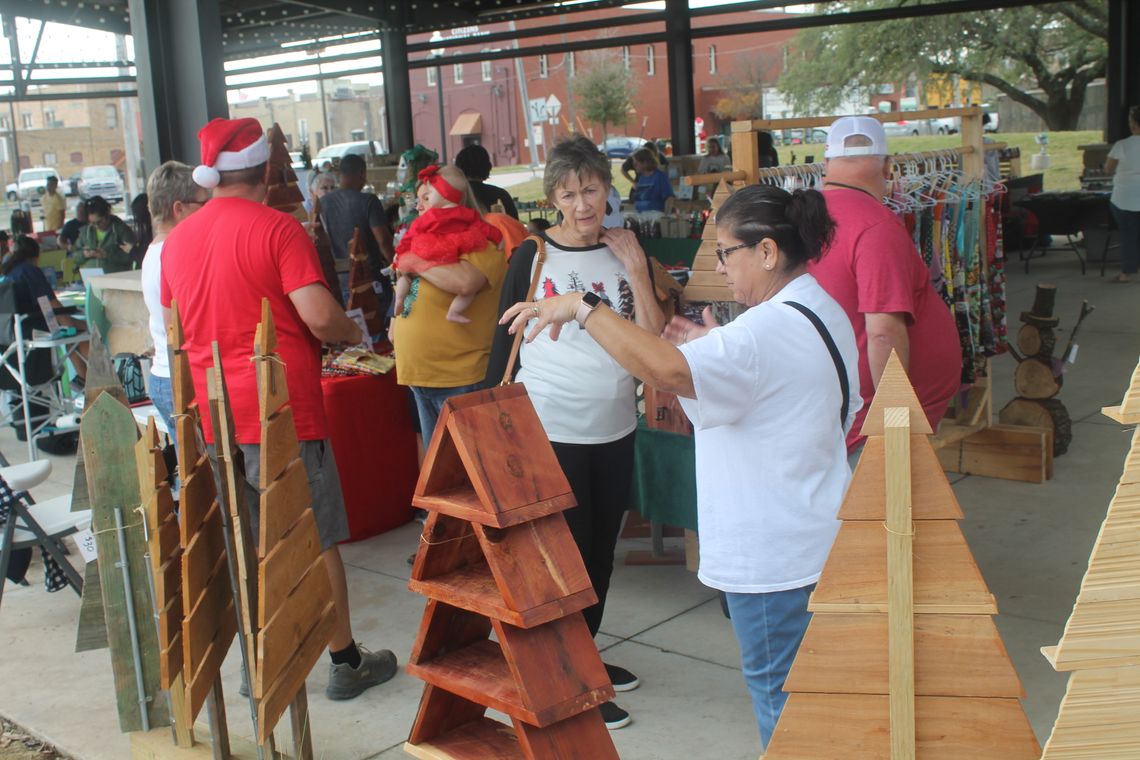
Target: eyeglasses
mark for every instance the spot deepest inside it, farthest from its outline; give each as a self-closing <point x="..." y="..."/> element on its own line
<point x="722" y="253"/>
<point x="196" y="202"/>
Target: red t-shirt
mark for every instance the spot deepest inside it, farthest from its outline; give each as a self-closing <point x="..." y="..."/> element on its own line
<point x="218" y="264"/>
<point x="872" y="267"/>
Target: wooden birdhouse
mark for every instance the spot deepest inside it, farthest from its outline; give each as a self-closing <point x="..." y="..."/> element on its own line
<point x="901" y="658"/>
<point x="496" y="555"/>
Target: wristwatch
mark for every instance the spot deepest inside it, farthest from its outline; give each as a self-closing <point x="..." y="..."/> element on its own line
<point x="586" y="307"/>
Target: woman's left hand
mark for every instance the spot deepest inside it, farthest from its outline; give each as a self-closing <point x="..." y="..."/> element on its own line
<point x="623" y="243"/>
<point x="555" y="312"/>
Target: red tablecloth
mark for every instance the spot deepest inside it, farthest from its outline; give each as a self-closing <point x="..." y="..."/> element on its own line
<point x="370" y="425"/>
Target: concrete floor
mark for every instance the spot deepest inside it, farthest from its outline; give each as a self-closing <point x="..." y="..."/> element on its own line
<point x="1031" y="542"/>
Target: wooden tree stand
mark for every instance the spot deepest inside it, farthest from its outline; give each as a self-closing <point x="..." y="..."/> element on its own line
<point x="1099" y="717"/>
<point x="901" y="659"/>
<point x="496" y="555"/>
<point x="361" y="294"/>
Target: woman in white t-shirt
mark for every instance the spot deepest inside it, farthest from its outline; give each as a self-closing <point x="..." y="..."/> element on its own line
<point x="770" y="407"/>
<point x="584" y="398"/>
<point x="172" y="195"/>
<point x="1124" y="164"/>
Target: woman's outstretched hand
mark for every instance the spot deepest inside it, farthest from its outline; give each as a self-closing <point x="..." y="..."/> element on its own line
<point x="554" y="312"/>
<point x="681" y="330"/>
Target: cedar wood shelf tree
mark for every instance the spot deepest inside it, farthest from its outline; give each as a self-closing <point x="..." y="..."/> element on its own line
<point x="605" y="90"/>
<point x="1056" y="49"/>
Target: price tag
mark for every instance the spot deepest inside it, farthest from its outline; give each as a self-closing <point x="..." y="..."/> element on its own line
<point x="1071" y="358"/>
<point x="357" y="316"/>
<point x="85" y="540"/>
<point x="377" y="287"/>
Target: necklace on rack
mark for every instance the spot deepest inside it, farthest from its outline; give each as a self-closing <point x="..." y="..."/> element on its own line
<point x="833" y="183"/>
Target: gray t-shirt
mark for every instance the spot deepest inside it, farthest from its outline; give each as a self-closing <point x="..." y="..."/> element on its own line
<point x="344" y="211"/>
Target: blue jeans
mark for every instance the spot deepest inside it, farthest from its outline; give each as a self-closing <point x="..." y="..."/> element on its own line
<point x="162" y="396"/>
<point x="1128" y="222"/>
<point x="769" y="629"/>
<point x="429" y="403"/>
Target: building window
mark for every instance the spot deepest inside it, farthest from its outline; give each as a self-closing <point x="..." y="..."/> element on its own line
<point x="650" y="61"/>
<point x="27" y="116"/>
<point x="49" y="158"/>
<point x="571" y="66"/>
<point x="485" y="70"/>
<point x="77" y="158"/>
<point x="111" y="112"/>
<point x="785" y="58"/>
<point x="543" y="67"/>
<point x="49" y="117"/>
<point x="625" y="56"/>
<point x="303" y="128"/>
<point x="712" y="59"/>
<point x="5" y="124"/>
<point x="457" y="73"/>
<point x="431" y="76"/>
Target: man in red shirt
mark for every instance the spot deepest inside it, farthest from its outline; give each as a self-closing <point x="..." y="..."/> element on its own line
<point x="218" y="265"/>
<point x="874" y="272"/>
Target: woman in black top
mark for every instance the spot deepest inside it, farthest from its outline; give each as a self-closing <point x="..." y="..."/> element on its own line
<point x="475" y="163"/>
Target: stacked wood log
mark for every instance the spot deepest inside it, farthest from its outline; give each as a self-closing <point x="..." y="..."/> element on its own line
<point x="361" y="292"/>
<point x="1038" y="377"/>
<point x="497" y="556"/>
<point x="704" y="283"/>
<point x="1101" y="642"/>
<point x="901" y="658"/>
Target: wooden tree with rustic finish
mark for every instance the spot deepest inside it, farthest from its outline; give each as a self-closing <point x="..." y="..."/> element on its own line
<point x="361" y="294"/>
<point x="901" y="659"/>
<point x="704" y="283"/>
<point x="496" y="555"/>
<point x="283" y="193"/>
<point x="1101" y="642"/>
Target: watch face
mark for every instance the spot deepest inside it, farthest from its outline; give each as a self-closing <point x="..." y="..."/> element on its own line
<point x="591" y="299"/>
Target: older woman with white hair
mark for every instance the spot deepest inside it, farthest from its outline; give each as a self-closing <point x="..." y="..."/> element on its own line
<point x="770" y="396"/>
<point x="584" y="398"/>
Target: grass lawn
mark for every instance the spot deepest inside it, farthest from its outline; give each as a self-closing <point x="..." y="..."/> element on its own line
<point x="1062" y="175"/>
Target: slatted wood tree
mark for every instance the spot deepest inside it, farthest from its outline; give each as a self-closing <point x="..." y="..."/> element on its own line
<point x="1099" y="717"/>
<point x="295" y="611"/>
<point x="209" y="623"/>
<point x="704" y="283"/>
<point x="361" y="293"/>
<point x="902" y="659"/>
<point x="283" y="192"/>
<point x="497" y="556"/>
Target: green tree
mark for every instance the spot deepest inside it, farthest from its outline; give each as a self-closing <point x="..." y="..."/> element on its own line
<point x="1057" y="48"/>
<point x="744" y="89"/>
<point x="604" y="91"/>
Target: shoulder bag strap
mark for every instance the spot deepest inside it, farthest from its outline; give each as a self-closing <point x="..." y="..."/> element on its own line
<point x="540" y="257"/>
<point x="835" y="356"/>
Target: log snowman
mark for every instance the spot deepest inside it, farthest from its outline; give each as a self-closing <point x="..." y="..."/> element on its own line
<point x="1039" y="376"/>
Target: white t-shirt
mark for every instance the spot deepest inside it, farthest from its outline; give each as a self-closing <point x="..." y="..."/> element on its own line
<point x="614" y="218"/>
<point x="770" y="453"/>
<point x="1126" y="181"/>
<point x="581" y="394"/>
<point x="152" y="296"/>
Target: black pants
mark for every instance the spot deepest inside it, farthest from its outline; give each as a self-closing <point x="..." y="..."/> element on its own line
<point x="600" y="476"/>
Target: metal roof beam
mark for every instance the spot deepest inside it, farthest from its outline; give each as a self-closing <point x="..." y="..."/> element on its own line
<point x="69" y="96"/>
<point x="652" y="17"/>
<point x="304" y="78"/>
<point x="561" y="47"/>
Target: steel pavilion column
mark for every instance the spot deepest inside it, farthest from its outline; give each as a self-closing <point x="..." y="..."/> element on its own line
<point x="679" y="50"/>
<point x="181" y="79"/>
<point x="397" y="87"/>
<point x="1123" y="65"/>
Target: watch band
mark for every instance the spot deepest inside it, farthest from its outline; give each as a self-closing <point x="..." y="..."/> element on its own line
<point x="586" y="307"/>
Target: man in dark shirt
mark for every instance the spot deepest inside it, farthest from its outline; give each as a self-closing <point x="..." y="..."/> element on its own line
<point x="348" y="209"/>
<point x="70" y="232"/>
<point x="475" y="163"/>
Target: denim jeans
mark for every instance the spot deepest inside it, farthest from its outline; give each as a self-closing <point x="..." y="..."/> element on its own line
<point x="429" y="403"/>
<point x="162" y="396"/>
<point x="769" y="629"/>
<point x="1128" y="222"/>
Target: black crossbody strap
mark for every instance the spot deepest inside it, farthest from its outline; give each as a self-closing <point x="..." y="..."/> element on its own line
<point x="835" y="356"/>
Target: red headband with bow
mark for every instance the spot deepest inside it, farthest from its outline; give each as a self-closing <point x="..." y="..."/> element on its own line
<point x="432" y="177"/>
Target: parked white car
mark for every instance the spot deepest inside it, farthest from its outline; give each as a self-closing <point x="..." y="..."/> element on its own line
<point x="33" y="183"/>
<point x="101" y="180"/>
<point x="337" y="151"/>
<point x="12" y="191"/>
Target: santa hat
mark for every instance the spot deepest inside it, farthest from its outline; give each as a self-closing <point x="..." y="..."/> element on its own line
<point x="229" y="145"/>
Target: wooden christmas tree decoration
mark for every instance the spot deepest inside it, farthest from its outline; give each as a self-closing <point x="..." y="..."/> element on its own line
<point x="361" y="294"/>
<point x="901" y="659"/>
<point x="324" y="251"/>
<point x="295" y="612"/>
<point x="496" y="555"/>
<point x="283" y="193"/>
<point x="1099" y="717"/>
<point x="704" y="283"/>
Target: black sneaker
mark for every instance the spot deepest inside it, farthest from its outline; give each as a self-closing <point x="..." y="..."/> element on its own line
<point x="614" y="716"/>
<point x="621" y="678"/>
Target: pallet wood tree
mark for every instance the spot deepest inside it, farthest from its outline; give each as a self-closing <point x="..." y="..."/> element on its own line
<point x="704" y="283"/>
<point x="361" y="294"/>
<point x="1098" y="719"/>
<point x="901" y="659"/>
<point x="295" y="611"/>
<point x="108" y="433"/>
<point x="496" y="555"/>
<point x="210" y="618"/>
<point x="283" y="192"/>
